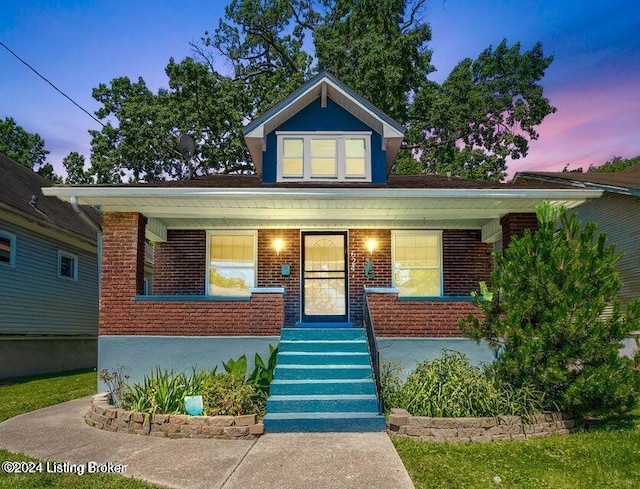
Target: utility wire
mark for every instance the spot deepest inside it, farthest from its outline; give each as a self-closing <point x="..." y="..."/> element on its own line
<point x="56" y="88"/>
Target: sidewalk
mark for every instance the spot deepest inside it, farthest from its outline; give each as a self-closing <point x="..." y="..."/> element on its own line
<point x="291" y="461"/>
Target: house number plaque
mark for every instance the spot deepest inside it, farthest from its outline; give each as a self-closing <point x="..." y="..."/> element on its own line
<point x="353" y="261"/>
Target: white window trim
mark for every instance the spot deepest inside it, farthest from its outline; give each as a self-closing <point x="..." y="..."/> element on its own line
<point x="222" y="232"/>
<point x="409" y="233"/>
<point x="12" y="249"/>
<point x="306" y="136"/>
<point x="65" y="254"/>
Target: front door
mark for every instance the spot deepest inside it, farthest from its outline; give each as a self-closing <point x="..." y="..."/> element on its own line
<point x="324" y="277"/>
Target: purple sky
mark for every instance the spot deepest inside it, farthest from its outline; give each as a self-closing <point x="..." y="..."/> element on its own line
<point x="594" y="80"/>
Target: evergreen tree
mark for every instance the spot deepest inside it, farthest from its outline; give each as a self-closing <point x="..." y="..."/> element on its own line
<point x="553" y="316"/>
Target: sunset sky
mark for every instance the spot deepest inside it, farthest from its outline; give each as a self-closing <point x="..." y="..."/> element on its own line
<point x="594" y="80"/>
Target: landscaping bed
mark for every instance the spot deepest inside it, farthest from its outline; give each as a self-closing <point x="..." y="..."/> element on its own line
<point x="484" y="429"/>
<point x="105" y="416"/>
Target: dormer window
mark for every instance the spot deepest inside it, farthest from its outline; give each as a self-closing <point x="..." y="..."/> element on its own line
<point x="324" y="156"/>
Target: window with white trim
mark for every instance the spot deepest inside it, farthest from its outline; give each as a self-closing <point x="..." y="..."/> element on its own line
<point x="417" y="263"/>
<point x="67" y="265"/>
<point x="231" y="263"/>
<point x="324" y="156"/>
<point x="7" y="249"/>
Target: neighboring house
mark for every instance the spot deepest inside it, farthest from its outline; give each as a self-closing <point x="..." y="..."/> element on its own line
<point x="616" y="213"/>
<point x="322" y="240"/>
<point x="48" y="279"/>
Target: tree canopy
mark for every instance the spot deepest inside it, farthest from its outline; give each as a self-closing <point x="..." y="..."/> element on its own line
<point x="483" y="114"/>
<point x="25" y="148"/>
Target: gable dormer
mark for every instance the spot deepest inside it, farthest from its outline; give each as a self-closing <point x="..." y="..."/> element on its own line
<point x="324" y="132"/>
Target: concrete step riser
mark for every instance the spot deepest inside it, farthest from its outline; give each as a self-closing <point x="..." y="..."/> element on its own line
<point x="323" y="358"/>
<point x="373" y="424"/>
<point x="329" y="373"/>
<point x="331" y="388"/>
<point x="323" y="406"/>
<point x="307" y="346"/>
<point x="322" y="334"/>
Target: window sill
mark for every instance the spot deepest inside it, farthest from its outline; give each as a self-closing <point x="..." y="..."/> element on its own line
<point x="192" y="298"/>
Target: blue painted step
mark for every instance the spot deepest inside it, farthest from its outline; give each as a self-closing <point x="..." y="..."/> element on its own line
<point x="346" y="403"/>
<point x="322" y="334"/>
<point x="323" y="381"/>
<point x="323" y="358"/>
<point x="324" y="422"/>
<point x="322" y="387"/>
<point x="359" y="345"/>
<point x="300" y="372"/>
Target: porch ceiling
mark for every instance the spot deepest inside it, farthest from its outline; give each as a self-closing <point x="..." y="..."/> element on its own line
<point x="319" y="207"/>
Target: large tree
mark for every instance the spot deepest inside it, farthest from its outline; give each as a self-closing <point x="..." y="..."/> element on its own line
<point x="26" y="148"/>
<point x="262" y="50"/>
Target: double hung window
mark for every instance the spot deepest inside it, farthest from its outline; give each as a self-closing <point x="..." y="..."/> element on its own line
<point x="417" y="263"/>
<point x="324" y="156"/>
<point x="231" y="264"/>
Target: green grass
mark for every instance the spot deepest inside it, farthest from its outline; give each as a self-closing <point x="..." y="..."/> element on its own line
<point x="31" y="393"/>
<point x="24" y="395"/>
<point x="606" y="456"/>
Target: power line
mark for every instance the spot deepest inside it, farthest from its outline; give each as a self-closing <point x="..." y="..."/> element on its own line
<point x="56" y="88"/>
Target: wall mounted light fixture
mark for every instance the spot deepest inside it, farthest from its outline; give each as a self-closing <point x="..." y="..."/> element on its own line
<point x="278" y="245"/>
<point x="372" y="244"/>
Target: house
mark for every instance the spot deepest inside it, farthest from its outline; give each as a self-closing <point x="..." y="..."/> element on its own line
<point x="616" y="213"/>
<point x="322" y="240"/>
<point x="48" y="279"/>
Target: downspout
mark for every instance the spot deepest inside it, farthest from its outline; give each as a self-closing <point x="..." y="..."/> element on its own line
<point x="97" y="228"/>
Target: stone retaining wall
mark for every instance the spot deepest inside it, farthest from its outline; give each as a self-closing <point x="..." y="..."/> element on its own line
<point x="106" y="417"/>
<point x="462" y="430"/>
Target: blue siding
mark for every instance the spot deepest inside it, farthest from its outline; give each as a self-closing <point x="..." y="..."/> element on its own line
<point x="33" y="300"/>
<point x="331" y="118"/>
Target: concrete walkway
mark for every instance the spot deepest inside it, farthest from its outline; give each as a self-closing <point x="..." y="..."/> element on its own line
<point x="305" y="461"/>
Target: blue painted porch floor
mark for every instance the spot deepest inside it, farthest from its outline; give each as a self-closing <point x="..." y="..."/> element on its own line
<point x="323" y="382"/>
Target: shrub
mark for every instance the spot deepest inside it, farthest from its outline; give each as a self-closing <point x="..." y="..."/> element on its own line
<point x="553" y="316"/>
<point x="450" y="386"/>
<point x="226" y="394"/>
<point x="163" y="391"/>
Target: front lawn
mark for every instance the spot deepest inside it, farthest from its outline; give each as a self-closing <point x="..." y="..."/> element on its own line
<point x="31" y="393"/>
<point x="28" y="394"/>
<point x="604" y="456"/>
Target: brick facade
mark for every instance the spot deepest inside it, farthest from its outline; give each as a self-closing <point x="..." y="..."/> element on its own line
<point x="180" y="269"/>
<point x="514" y="224"/>
<point x="122" y="277"/>
<point x="270" y="268"/>
<point x="417" y="318"/>
<point x="466" y="261"/>
<point x="180" y="263"/>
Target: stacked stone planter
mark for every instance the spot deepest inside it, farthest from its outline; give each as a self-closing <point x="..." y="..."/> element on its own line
<point x="106" y="417"/>
<point x="462" y="430"/>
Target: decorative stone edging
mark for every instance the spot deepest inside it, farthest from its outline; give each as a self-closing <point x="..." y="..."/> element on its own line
<point x="463" y="430"/>
<point x="104" y="416"/>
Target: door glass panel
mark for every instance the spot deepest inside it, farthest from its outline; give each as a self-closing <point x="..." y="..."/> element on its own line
<point x="324" y="275"/>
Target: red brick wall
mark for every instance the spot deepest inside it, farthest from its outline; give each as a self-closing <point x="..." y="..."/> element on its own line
<point x="179" y="264"/>
<point x="381" y="266"/>
<point x="466" y="261"/>
<point x="269" y="268"/>
<point x="439" y="319"/>
<point x="514" y="225"/>
<point x="122" y="274"/>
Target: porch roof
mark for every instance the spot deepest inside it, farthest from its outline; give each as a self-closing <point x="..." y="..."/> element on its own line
<point x="424" y="202"/>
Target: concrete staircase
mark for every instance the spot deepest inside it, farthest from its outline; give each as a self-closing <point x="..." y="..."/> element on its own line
<point x="323" y="382"/>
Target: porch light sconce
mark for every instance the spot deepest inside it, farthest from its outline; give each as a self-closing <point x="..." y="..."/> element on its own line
<point x="372" y="244"/>
<point x="278" y="245"/>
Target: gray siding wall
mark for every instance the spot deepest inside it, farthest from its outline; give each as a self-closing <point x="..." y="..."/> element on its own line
<point x="619" y="216"/>
<point x="34" y="301"/>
